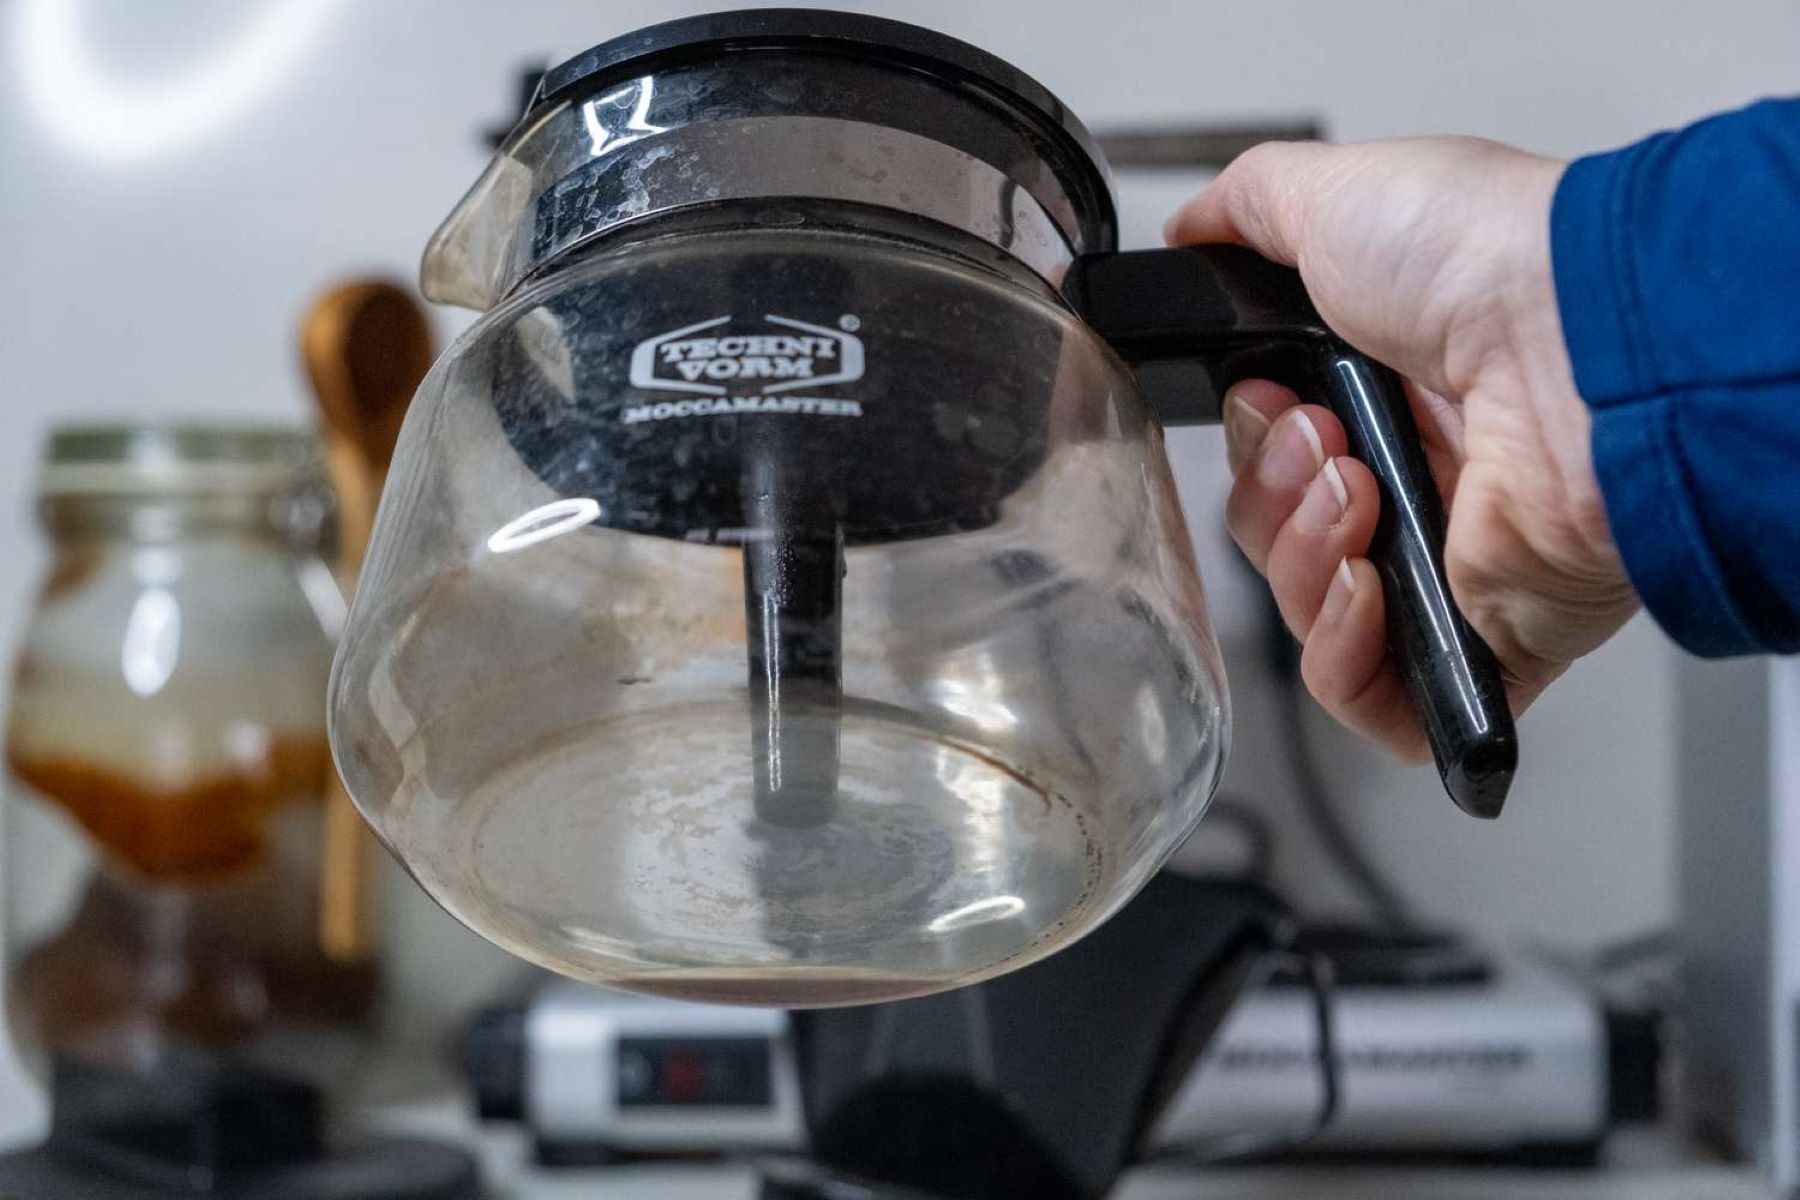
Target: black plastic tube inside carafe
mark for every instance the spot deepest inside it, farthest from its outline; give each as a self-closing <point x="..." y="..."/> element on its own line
<point x="793" y="590"/>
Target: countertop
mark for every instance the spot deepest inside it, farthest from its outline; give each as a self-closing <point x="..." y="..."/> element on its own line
<point x="1640" y="1166"/>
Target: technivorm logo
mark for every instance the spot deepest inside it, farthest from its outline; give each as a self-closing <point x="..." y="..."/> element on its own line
<point x="730" y="366"/>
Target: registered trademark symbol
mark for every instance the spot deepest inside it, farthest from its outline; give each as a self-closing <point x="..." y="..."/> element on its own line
<point x="848" y="323"/>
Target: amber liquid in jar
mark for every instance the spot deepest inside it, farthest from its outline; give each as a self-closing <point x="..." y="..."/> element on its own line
<point x="188" y="929"/>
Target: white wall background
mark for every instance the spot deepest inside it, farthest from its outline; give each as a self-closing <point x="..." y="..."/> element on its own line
<point x="169" y="283"/>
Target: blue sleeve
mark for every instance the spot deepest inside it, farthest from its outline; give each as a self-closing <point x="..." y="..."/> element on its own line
<point x="1677" y="264"/>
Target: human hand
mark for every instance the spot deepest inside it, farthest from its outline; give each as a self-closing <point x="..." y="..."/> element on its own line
<point x="1432" y="255"/>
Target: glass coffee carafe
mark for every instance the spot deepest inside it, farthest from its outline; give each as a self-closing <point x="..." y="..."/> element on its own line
<point x="881" y="738"/>
<point x="166" y="748"/>
<point x="780" y="594"/>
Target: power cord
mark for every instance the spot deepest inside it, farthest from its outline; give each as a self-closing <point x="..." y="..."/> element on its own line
<point x="1319" y="976"/>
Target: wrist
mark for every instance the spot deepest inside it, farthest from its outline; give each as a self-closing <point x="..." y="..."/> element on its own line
<point x="1526" y="364"/>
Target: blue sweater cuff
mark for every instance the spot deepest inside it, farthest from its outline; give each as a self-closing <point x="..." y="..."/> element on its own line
<point x="1658" y="531"/>
<point x="1636" y="453"/>
<point x="1601" y="320"/>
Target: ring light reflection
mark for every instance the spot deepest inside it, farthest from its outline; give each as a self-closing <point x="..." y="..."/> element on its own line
<point x="93" y="113"/>
<point x="542" y="523"/>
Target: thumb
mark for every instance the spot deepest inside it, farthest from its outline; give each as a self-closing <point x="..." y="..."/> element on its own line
<point x="1258" y="201"/>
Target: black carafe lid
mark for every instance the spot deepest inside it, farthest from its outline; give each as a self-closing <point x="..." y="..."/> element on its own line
<point x="984" y="80"/>
<point x="778" y="103"/>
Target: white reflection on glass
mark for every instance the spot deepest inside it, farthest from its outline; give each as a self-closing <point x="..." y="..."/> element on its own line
<point x="983" y="792"/>
<point x="639" y="94"/>
<point x="91" y="111"/>
<point x="152" y="641"/>
<point x="595" y="942"/>
<point x="992" y="908"/>
<point x="157" y="566"/>
<point x="970" y="687"/>
<point x="323" y="596"/>
<point x="247" y="742"/>
<point x="543" y="522"/>
<point x="1153" y="725"/>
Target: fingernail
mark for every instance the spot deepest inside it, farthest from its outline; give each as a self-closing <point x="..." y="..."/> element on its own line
<point x="1292" y="456"/>
<point x="1337" y="596"/>
<point x="1245" y="429"/>
<point x="1169" y="227"/>
<point x="1325" y="500"/>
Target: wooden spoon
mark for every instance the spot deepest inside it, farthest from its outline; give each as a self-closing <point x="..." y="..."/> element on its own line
<point x="366" y="344"/>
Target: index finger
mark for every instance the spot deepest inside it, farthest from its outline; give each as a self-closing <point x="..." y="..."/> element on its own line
<point x="1257" y="201"/>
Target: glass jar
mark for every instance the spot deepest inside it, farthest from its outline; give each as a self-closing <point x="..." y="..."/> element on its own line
<point x="167" y="753"/>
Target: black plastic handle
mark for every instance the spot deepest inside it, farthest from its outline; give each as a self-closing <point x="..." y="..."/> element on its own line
<point x="1226" y="314"/>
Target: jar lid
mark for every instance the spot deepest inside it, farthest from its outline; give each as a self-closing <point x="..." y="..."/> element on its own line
<point x="176" y="459"/>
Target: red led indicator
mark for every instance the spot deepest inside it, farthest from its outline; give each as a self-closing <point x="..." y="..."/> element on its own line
<point x="684" y="1078"/>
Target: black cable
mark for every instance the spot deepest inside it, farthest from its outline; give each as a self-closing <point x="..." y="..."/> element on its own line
<point x="1319" y="975"/>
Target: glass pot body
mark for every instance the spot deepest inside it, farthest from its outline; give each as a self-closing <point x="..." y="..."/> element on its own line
<point x="166" y="748"/>
<point x="782" y="611"/>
